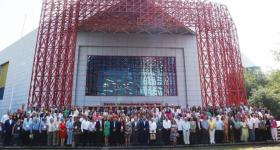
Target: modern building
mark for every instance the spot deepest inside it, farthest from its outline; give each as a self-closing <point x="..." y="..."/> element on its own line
<point x="126" y="52"/>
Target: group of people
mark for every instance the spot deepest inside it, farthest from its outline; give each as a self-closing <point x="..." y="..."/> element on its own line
<point x="136" y="125"/>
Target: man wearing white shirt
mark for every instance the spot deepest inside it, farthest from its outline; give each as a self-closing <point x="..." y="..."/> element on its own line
<point x="152" y="131"/>
<point x="251" y="125"/>
<point x="91" y="129"/>
<point x="186" y="131"/>
<point x="166" y="130"/>
<point x="256" y="125"/>
<point x="179" y="122"/>
<point x="85" y="130"/>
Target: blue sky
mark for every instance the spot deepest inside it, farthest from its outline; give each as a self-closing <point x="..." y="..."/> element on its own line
<point x="257" y="21"/>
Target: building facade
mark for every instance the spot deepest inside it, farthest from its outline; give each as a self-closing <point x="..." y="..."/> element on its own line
<point x="136" y="51"/>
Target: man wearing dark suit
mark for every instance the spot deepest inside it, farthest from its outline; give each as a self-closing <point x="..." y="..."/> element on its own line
<point x="99" y="126"/>
<point x="8" y="128"/>
<point x="115" y="128"/>
<point x="143" y="131"/>
<point x="135" y="131"/>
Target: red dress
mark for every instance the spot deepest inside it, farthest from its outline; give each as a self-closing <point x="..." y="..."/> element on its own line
<point x="62" y="130"/>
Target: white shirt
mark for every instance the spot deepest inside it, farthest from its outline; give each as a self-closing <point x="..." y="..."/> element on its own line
<point x="166" y="124"/>
<point x="91" y="126"/>
<point x="251" y="122"/>
<point x="85" y="125"/>
<point x="179" y="124"/>
<point x="257" y="121"/>
<point x="4" y="118"/>
<point x="152" y="126"/>
<point x="186" y="125"/>
<point x="51" y="127"/>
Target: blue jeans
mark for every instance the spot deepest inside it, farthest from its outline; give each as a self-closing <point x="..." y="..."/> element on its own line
<point x="252" y="135"/>
<point x="69" y="137"/>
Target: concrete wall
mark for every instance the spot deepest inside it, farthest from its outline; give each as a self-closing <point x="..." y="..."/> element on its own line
<point x="20" y="57"/>
<point x="183" y="47"/>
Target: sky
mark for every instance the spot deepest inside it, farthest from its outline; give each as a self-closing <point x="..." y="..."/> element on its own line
<point x="257" y="22"/>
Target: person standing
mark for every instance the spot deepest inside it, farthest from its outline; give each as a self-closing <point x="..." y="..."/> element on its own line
<point x="205" y="130"/>
<point x="174" y="132"/>
<point x="17" y="131"/>
<point x="8" y="128"/>
<point x="135" y="131"/>
<point x="186" y="131"/>
<point x="69" y="127"/>
<point x="143" y="131"/>
<point x="91" y="135"/>
<point x="244" y="131"/>
<point x="128" y="131"/>
<point x="166" y="130"/>
<point x="27" y="130"/>
<point x="152" y="131"/>
<point x="76" y="132"/>
<point x="56" y="131"/>
<point x="251" y="126"/>
<point x="179" y="122"/>
<point x="43" y="132"/>
<point x="212" y="127"/>
<point x="193" y="131"/>
<point x="85" y="131"/>
<point x="50" y="132"/>
<point x="219" y="133"/>
<point x="115" y="128"/>
<point x="106" y="132"/>
<point x="35" y="131"/>
<point x="237" y="129"/>
<point x="99" y="126"/>
<point x="62" y="132"/>
<point x="273" y="128"/>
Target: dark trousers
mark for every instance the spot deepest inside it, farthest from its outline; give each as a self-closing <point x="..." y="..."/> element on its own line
<point x="7" y="138"/>
<point x="135" y="138"/>
<point x="166" y="136"/>
<point x="205" y="136"/>
<point x="114" y="138"/>
<point x="180" y="138"/>
<point x="219" y="136"/>
<point x="193" y="138"/>
<point x="85" y="137"/>
<point x="262" y="135"/>
<point x="159" y="140"/>
<point x="143" y="137"/>
<point x="43" y="138"/>
<point x="99" y="138"/>
<point x="25" y="138"/>
<point x="91" y="137"/>
<point x="237" y="135"/>
<point x="257" y="134"/>
<point x="36" y="137"/>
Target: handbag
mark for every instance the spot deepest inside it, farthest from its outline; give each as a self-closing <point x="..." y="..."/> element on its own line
<point x="31" y="136"/>
<point x="152" y="136"/>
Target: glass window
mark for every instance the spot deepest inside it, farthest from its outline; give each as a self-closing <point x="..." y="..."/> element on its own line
<point x="131" y="76"/>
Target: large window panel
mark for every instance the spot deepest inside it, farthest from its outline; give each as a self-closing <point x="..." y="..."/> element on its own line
<point x="131" y="76"/>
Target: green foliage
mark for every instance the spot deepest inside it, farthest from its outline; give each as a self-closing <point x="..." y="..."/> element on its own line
<point x="264" y="90"/>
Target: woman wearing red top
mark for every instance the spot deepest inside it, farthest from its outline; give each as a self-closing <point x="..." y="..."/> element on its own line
<point x="62" y="132"/>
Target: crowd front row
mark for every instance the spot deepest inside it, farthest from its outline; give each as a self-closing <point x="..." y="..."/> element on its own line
<point x="137" y="125"/>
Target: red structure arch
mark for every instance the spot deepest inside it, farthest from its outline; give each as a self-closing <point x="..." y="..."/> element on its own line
<point x="221" y="71"/>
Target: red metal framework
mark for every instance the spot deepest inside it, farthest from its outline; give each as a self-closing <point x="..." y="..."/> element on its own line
<point x="221" y="71"/>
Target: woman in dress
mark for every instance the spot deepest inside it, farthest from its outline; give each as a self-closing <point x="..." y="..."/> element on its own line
<point x="62" y="132"/>
<point x="128" y="131"/>
<point x="106" y="131"/>
<point x="244" y="130"/>
<point x="173" y="132"/>
<point x="226" y="128"/>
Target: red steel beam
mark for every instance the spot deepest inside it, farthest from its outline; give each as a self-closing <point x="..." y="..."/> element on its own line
<point x="220" y="66"/>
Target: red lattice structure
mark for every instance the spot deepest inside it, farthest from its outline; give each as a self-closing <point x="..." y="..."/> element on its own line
<point x="221" y="71"/>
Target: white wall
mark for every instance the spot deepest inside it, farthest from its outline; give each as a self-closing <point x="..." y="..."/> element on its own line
<point x="20" y="57"/>
<point x="181" y="46"/>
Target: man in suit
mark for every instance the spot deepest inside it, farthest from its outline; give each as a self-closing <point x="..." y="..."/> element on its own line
<point x="143" y="131"/>
<point x="8" y="128"/>
<point x="99" y="126"/>
<point x="115" y="128"/>
<point x="135" y="131"/>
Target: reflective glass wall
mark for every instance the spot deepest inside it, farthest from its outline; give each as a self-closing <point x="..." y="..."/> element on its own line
<point x="131" y="76"/>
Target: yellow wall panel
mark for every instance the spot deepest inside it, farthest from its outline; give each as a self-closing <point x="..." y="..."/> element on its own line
<point x="3" y="74"/>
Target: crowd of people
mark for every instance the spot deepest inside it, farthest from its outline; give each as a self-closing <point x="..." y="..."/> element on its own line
<point x="136" y="125"/>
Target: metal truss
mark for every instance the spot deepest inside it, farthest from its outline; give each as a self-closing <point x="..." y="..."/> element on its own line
<point x="221" y="71"/>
